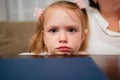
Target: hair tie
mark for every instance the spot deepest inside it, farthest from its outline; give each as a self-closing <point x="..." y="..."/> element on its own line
<point x="80" y="3"/>
<point x="38" y="12"/>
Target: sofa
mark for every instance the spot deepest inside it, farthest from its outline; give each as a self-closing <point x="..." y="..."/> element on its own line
<point x="15" y="36"/>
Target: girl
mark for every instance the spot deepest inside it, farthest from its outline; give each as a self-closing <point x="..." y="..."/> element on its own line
<point x="60" y="30"/>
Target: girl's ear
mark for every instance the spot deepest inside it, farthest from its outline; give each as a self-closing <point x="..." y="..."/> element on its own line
<point x="84" y="35"/>
<point x="43" y="35"/>
<point x="83" y="41"/>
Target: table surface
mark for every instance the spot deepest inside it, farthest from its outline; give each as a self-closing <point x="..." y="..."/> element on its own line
<point x="109" y="64"/>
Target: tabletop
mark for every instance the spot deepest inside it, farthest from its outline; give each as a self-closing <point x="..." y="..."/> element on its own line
<point x="109" y="64"/>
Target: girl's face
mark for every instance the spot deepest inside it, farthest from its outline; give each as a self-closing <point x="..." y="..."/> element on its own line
<point x="62" y="32"/>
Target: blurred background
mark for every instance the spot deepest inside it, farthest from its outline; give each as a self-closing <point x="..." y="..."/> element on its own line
<point x="21" y="10"/>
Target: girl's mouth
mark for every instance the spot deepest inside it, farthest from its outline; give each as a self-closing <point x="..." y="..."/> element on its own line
<point x="64" y="49"/>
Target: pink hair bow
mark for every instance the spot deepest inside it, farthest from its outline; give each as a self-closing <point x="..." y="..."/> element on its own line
<point x="80" y="3"/>
<point x="38" y="12"/>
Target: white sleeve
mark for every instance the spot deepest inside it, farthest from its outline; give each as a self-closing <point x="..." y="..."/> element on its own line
<point x="27" y="53"/>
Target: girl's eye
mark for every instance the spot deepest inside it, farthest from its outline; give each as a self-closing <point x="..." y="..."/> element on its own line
<point x="53" y="30"/>
<point x="72" y="30"/>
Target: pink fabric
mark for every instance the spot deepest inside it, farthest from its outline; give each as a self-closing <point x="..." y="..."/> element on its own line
<point x="38" y="12"/>
<point x="80" y="3"/>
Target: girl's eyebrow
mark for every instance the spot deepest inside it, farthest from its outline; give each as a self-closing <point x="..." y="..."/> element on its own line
<point x="66" y="26"/>
<point x="72" y="26"/>
<point x="51" y="26"/>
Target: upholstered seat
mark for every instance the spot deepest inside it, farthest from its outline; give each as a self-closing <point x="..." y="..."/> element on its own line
<point x="15" y="36"/>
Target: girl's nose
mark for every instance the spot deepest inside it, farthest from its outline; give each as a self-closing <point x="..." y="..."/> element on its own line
<point x="62" y="37"/>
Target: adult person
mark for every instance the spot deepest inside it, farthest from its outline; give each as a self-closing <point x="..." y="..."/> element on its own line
<point x="104" y="30"/>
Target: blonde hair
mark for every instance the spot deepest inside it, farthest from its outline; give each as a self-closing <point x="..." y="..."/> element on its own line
<point x="37" y="44"/>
